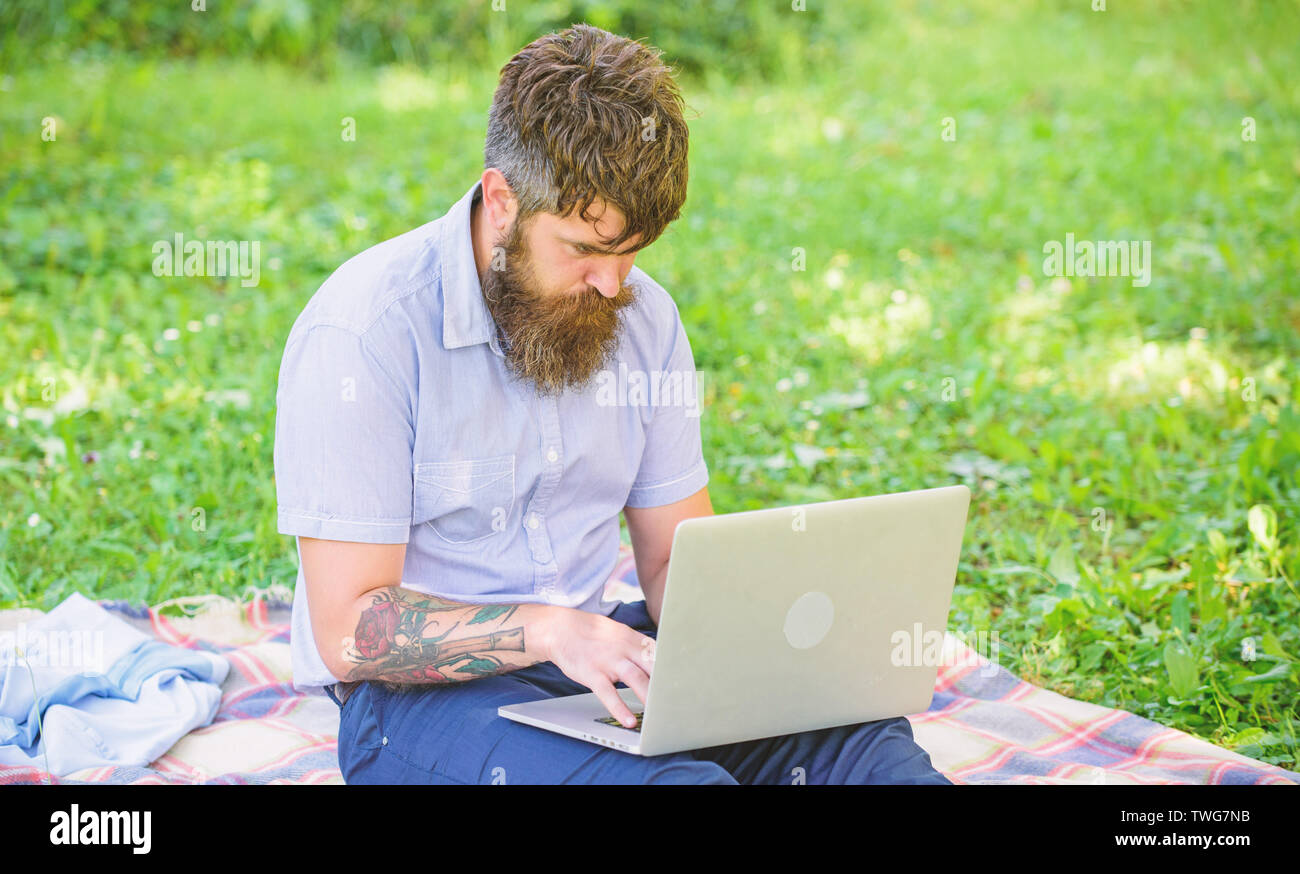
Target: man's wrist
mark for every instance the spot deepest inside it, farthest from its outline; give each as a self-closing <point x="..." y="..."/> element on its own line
<point x="542" y="626"/>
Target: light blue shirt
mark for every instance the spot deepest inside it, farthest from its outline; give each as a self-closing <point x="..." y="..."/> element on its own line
<point x="397" y="421"/>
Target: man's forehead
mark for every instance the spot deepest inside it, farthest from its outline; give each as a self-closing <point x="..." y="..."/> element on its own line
<point x="606" y="224"/>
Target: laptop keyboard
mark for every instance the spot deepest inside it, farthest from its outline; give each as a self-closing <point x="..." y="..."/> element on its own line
<point x="609" y="720"/>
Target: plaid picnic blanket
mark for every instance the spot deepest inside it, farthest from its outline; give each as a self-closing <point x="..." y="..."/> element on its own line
<point x="984" y="725"/>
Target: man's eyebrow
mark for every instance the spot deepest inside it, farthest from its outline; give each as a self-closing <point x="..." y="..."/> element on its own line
<point x="588" y="247"/>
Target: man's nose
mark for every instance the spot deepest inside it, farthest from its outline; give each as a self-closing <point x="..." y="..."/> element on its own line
<point x="606" y="279"/>
<point x="605" y="283"/>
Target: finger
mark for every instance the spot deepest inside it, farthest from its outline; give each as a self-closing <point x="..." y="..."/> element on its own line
<point x="645" y="656"/>
<point x="641" y="650"/>
<point x="609" y="696"/>
<point x="636" y="678"/>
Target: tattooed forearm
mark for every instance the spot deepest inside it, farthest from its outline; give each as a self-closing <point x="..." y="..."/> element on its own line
<point x="405" y="637"/>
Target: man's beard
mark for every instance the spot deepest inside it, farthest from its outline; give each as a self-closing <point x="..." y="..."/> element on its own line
<point x="557" y="341"/>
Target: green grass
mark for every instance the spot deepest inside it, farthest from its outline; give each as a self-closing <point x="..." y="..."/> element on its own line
<point x="1116" y="438"/>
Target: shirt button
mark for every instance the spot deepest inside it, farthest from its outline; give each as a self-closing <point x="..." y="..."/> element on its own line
<point x="385" y="741"/>
<point x="533" y="522"/>
<point x="552" y="455"/>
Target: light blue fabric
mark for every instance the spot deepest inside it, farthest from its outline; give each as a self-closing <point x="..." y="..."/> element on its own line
<point x="105" y="693"/>
<point x="123" y="680"/>
<point x="398" y="421"/>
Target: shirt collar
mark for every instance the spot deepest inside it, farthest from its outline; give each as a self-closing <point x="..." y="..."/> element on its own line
<point x="465" y="317"/>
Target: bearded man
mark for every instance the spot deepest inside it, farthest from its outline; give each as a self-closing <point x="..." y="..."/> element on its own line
<point x="454" y="482"/>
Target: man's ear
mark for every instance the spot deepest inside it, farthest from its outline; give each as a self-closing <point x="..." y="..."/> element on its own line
<point x="498" y="200"/>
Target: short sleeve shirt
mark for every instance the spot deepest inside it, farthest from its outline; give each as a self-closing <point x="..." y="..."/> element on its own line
<point x="397" y="421"/>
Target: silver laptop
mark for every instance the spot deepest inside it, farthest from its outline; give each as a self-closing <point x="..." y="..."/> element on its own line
<point x="787" y="620"/>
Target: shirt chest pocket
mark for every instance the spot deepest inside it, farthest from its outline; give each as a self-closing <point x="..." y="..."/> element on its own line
<point x="468" y="500"/>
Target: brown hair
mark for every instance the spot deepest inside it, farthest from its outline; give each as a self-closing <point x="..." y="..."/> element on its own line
<point x="585" y="114"/>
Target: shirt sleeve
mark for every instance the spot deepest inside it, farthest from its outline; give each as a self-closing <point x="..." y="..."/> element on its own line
<point x="344" y="434"/>
<point x="672" y="464"/>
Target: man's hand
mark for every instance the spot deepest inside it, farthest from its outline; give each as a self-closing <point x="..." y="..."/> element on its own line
<point x="597" y="651"/>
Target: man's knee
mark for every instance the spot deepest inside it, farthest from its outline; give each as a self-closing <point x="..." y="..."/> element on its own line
<point x="576" y="762"/>
<point x="685" y="771"/>
<point x="897" y="758"/>
<point x="509" y="752"/>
